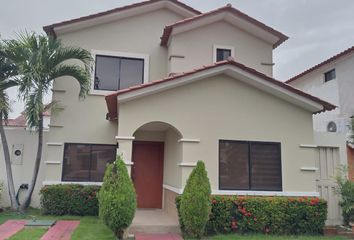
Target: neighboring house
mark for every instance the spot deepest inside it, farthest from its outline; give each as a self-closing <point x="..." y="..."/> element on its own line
<point x="22" y="144"/>
<point x="333" y="81"/>
<point x="181" y="86"/>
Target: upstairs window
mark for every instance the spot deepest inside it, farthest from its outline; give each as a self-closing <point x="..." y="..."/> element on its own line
<point x="115" y="73"/>
<point x="245" y="165"/>
<point x="222" y="53"/>
<point x="330" y="75"/>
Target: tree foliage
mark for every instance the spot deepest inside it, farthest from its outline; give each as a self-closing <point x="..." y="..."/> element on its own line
<point x="117" y="198"/>
<point x="39" y="60"/>
<point x="195" y="203"/>
<point x="346" y="191"/>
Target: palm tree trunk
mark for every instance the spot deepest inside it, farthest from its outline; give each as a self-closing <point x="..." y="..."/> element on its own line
<point x="10" y="179"/>
<point x="29" y="193"/>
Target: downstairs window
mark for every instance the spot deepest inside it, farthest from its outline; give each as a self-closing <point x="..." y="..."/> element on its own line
<point x="86" y="162"/>
<point x="245" y="165"/>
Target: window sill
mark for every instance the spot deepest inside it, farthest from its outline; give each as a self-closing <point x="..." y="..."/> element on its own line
<point x="46" y="183"/>
<point x="266" y="193"/>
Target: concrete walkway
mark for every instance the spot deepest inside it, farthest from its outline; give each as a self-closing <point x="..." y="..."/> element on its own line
<point x="154" y="221"/>
<point x="158" y="237"/>
<point x="62" y="230"/>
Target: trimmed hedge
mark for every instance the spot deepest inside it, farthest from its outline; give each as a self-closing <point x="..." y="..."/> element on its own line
<point x="69" y="199"/>
<point x="269" y="215"/>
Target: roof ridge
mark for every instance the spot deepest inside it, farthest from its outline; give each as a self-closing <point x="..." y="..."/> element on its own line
<point x="49" y="29"/>
<point x="168" y="29"/>
<point x="112" y="98"/>
<point x="321" y="64"/>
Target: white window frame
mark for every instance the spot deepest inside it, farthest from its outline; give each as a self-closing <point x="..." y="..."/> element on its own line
<point x="145" y="57"/>
<point x="216" y="47"/>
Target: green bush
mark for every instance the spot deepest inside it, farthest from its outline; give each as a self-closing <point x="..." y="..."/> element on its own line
<point x="117" y="198"/>
<point x="268" y="215"/>
<point x="195" y="203"/>
<point x="69" y="199"/>
<point x="346" y="191"/>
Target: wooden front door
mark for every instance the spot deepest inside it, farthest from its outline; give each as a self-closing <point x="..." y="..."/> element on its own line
<point x="147" y="173"/>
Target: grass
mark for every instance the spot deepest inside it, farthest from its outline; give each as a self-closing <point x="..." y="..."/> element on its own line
<point x="92" y="228"/>
<point x="29" y="234"/>
<point x="268" y="237"/>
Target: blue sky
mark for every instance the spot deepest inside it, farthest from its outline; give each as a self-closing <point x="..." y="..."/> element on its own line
<point x="318" y="29"/>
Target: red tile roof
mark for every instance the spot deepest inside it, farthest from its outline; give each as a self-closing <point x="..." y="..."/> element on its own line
<point x="20" y="121"/>
<point x="329" y="60"/>
<point x="49" y="29"/>
<point x="112" y="103"/>
<point x="228" y="8"/>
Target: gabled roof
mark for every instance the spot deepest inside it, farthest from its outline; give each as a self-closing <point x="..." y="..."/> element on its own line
<point x="328" y="61"/>
<point x="93" y="19"/>
<point x="230" y="67"/>
<point x="233" y="16"/>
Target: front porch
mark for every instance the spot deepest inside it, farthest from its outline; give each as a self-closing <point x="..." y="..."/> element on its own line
<point x="154" y="221"/>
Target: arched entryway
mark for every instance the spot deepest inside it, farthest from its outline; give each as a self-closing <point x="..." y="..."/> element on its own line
<point x="156" y="153"/>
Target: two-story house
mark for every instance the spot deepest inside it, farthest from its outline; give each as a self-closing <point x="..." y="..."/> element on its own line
<point x="333" y="81"/>
<point x="172" y="86"/>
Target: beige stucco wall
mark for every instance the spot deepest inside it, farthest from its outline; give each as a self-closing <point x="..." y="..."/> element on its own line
<point x="83" y="121"/>
<point x="196" y="46"/>
<point x="22" y="173"/>
<point x="224" y="108"/>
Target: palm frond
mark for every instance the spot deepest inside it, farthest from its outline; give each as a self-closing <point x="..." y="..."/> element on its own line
<point x="77" y="73"/>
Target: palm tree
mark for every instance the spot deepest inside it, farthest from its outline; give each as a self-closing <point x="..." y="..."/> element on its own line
<point x="7" y="70"/>
<point x="40" y="60"/>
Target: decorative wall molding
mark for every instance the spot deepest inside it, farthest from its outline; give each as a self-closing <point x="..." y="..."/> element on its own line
<point x="55" y="126"/>
<point x="126" y="138"/>
<point x="187" y="164"/>
<point x="308" y="146"/>
<point x="53" y="162"/>
<point x="129" y="163"/>
<point x="58" y="90"/>
<point x="189" y="140"/>
<point x="309" y="169"/>
<point x="175" y="56"/>
<point x="54" y="144"/>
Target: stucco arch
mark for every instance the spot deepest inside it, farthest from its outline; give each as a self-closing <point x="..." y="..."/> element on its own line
<point x="157" y="126"/>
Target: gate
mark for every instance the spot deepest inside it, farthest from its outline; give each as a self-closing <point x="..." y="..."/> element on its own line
<point x="327" y="162"/>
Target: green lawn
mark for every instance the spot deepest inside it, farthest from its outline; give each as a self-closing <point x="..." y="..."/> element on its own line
<point x="29" y="234"/>
<point x="265" y="237"/>
<point x="92" y="228"/>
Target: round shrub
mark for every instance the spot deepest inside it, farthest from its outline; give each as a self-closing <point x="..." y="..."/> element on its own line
<point x="195" y="203"/>
<point x="117" y="198"/>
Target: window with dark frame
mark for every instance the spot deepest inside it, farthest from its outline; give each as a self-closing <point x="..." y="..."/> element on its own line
<point x="115" y="73"/>
<point x="330" y="75"/>
<point x="245" y="165"/>
<point x="222" y="54"/>
<point x="86" y="162"/>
